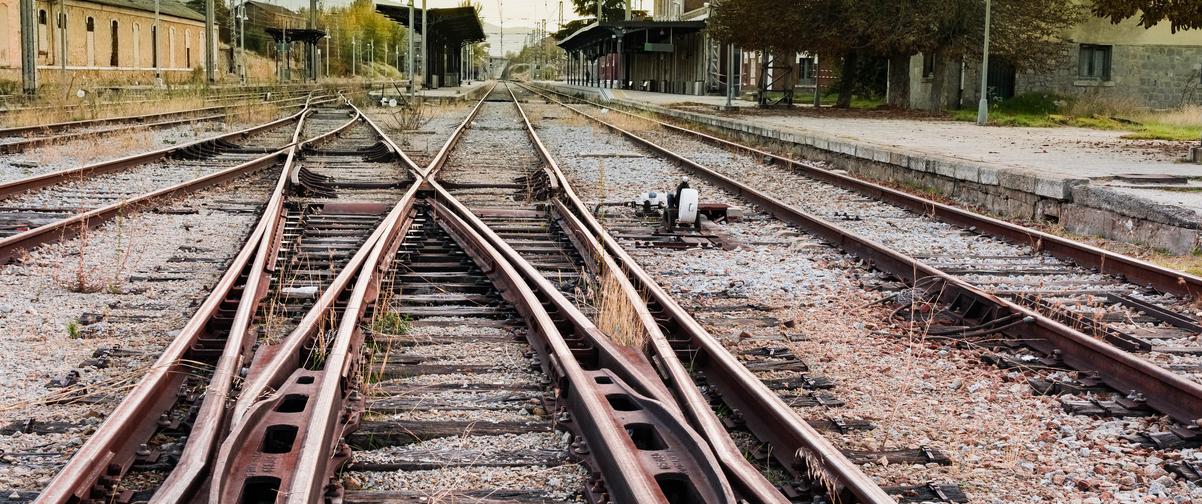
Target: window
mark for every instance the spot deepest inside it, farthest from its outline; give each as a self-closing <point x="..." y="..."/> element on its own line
<point x="90" y="41"/>
<point x="1094" y="62"/>
<point x="928" y="66"/>
<point x="188" y="48"/>
<point x="805" y="67"/>
<point x="137" y="38"/>
<point x="43" y="37"/>
<point x="114" y="47"/>
<point x="154" y="46"/>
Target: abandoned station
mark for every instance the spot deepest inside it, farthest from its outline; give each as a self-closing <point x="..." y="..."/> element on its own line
<point x="672" y="53"/>
<point x="446" y="34"/>
<point x="113" y="38"/>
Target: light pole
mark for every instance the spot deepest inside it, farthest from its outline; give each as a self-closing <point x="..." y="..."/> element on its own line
<point x="354" y="53"/>
<point x="983" y="106"/>
<point x="409" y="58"/>
<point x="327" y="37"/>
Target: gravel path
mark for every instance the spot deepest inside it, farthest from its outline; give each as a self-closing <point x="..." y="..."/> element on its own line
<point x="1005" y="444"/>
<point x="142" y="276"/>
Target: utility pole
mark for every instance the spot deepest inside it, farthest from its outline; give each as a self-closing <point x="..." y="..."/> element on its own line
<point x="62" y="34"/>
<point x="29" y="48"/>
<point x="425" y="48"/>
<point x="354" y="52"/>
<point x="983" y="105"/>
<point x="242" y="42"/>
<point x="209" y="43"/>
<point x="311" y="63"/>
<point x="327" y="37"/>
<point x="502" y="18"/>
<point x="158" y="72"/>
<point x="409" y="59"/>
<point x="730" y="76"/>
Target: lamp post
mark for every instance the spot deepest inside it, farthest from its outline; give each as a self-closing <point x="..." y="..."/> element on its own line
<point x="983" y="105"/>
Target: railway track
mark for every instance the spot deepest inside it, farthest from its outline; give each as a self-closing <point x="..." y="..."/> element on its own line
<point x="159" y="441"/>
<point x="472" y="330"/>
<point x="51" y="206"/>
<point x="22" y="138"/>
<point x="1131" y="322"/>
<point x="377" y="324"/>
<point x="220" y="99"/>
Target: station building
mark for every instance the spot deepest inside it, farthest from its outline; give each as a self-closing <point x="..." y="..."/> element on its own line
<point x="107" y="38"/>
<point x="448" y="33"/>
<point x="1152" y="67"/>
<point x="668" y="53"/>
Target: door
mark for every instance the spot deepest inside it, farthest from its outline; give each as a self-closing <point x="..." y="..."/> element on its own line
<point x="1001" y="78"/>
<point x="114" y="44"/>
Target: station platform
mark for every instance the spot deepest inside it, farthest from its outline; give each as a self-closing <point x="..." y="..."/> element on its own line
<point x="1090" y="181"/>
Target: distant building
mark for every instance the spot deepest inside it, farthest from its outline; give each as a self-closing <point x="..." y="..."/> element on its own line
<point x="671" y="52"/>
<point x="1152" y="68"/>
<point x="107" y="37"/>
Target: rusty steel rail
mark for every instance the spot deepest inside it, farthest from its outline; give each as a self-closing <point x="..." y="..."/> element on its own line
<point x="1164" y="391"/>
<point x="110" y="451"/>
<point x="72" y="226"/>
<point x="440" y="158"/>
<point x="211" y="419"/>
<point x="305" y="470"/>
<point x="27" y="143"/>
<point x="1134" y="270"/>
<point x="18" y="186"/>
<point x="801" y="448"/>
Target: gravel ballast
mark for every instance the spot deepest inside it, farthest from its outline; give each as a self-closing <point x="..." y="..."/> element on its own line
<point x="1005" y="444"/>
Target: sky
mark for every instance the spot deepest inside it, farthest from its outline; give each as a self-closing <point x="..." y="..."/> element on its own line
<point x="519" y="16"/>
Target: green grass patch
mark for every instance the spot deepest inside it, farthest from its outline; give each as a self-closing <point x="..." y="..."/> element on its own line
<point x="1049" y="111"/>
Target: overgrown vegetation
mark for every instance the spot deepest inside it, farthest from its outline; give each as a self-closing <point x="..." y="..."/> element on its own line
<point x="390" y="322"/>
<point x="1094" y="111"/>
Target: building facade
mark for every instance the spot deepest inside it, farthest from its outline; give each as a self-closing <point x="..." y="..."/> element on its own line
<point x="107" y="38"/>
<point x="1152" y="68"/>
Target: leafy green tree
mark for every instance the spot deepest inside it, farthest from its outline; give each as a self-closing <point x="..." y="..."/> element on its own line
<point x="1182" y="14"/>
<point x="611" y="10"/>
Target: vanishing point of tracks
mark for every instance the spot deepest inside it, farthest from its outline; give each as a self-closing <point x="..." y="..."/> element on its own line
<point x="471" y="331"/>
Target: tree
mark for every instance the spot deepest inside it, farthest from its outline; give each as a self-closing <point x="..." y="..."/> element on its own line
<point x="611" y="10"/>
<point x="1182" y="14"/>
<point x="1024" y="31"/>
<point x="221" y="17"/>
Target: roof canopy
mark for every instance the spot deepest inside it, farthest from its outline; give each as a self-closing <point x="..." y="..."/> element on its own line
<point x="295" y="34"/>
<point x="597" y="32"/>
<point x="452" y="25"/>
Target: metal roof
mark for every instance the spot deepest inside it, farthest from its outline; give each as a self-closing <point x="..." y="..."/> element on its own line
<point x="454" y="24"/>
<point x="597" y="32"/>
<point x="166" y="7"/>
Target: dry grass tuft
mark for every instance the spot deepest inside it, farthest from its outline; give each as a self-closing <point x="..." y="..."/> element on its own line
<point x="617" y="315"/>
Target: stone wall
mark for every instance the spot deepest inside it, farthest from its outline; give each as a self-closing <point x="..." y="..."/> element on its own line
<point x="1153" y="76"/>
<point x="181" y="45"/>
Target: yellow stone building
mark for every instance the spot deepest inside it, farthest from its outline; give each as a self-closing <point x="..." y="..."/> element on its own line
<point x="107" y="39"/>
